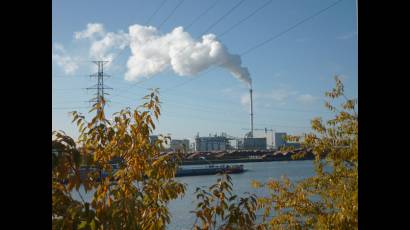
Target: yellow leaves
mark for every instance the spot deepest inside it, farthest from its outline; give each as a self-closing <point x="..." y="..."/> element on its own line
<point x="276" y="185"/>
<point x="317" y="125"/>
<point x="349" y="104"/>
<point x="109" y="202"/>
<point x="327" y="200"/>
<point x="144" y="183"/>
<point x="144" y="180"/>
<point x="218" y="202"/>
<point x="256" y="184"/>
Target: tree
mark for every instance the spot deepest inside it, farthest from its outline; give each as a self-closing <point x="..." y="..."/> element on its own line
<point x="218" y="208"/>
<point x="328" y="200"/>
<point x="136" y="195"/>
<point x="133" y="197"/>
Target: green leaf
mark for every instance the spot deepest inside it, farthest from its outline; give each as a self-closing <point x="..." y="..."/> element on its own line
<point x="82" y="224"/>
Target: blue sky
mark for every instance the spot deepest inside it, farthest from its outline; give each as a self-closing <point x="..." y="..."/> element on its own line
<point x="290" y="74"/>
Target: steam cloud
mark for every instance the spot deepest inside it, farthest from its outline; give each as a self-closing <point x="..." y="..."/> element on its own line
<point x="153" y="53"/>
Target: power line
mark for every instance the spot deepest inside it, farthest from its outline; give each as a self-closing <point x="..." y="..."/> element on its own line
<point x="260" y="44"/>
<point x="246" y="18"/>
<point x="69" y="77"/>
<point x="155" y="12"/>
<point x="187" y="81"/>
<point x="127" y="98"/>
<point x="68" y="108"/>
<point x="161" y="24"/>
<point x="68" y="102"/>
<point x="165" y="114"/>
<point x="66" y="89"/>
<point x="149" y="19"/>
<point x="206" y="108"/>
<point x="131" y="86"/>
<point x="119" y="53"/>
<point x="264" y="42"/>
<point x="206" y="11"/>
<point x="215" y="23"/>
<point x="172" y="12"/>
<point x="223" y="16"/>
<point x="202" y="14"/>
<point x="117" y="102"/>
<point x="290" y="28"/>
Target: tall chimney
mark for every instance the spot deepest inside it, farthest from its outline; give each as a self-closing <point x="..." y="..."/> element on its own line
<point x="250" y="91"/>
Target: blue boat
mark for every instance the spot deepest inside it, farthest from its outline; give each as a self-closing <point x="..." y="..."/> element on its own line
<point x="181" y="171"/>
<point x="210" y="170"/>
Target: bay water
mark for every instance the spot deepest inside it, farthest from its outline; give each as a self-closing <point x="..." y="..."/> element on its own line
<point x="180" y="209"/>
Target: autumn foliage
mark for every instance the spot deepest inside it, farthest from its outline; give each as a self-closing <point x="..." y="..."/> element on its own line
<point x="136" y="195"/>
<point x="133" y="197"/>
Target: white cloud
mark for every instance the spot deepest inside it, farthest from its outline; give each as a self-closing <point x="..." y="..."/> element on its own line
<point x="63" y="60"/>
<point x="103" y="45"/>
<point x="277" y="96"/>
<point x="90" y="32"/>
<point x="153" y="53"/>
<point x="245" y="99"/>
<point x="59" y="47"/>
<point x="227" y="91"/>
<point x="307" y="99"/>
<point x="280" y="95"/>
<point x="103" y="48"/>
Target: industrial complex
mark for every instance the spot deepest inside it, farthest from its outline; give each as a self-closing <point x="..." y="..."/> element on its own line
<point x="225" y="142"/>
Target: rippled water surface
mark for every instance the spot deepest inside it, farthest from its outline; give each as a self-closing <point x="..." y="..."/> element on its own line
<point x="262" y="171"/>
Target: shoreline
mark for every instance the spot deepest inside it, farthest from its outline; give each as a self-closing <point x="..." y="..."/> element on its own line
<point x="232" y="161"/>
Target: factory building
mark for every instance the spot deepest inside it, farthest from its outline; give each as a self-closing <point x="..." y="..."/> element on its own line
<point x="254" y="143"/>
<point x="180" y="145"/>
<point x="280" y="140"/>
<point x="215" y="143"/>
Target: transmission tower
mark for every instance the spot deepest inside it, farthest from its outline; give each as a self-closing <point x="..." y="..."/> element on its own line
<point x="100" y="87"/>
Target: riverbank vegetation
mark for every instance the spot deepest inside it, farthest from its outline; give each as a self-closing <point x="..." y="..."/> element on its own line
<point x="136" y="195"/>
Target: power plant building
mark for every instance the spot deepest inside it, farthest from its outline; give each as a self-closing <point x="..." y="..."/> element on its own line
<point x="215" y="143"/>
<point x="180" y="145"/>
<point x="280" y="140"/>
<point x="254" y="143"/>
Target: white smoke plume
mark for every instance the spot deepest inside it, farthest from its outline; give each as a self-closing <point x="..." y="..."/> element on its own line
<point x="152" y="53"/>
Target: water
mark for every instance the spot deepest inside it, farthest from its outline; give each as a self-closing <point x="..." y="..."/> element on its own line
<point x="181" y="218"/>
<point x="261" y="171"/>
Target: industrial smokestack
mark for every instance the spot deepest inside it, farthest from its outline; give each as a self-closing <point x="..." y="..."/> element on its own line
<point x="250" y="91"/>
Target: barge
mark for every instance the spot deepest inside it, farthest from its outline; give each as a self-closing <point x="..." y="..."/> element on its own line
<point x="210" y="170"/>
<point x="181" y="171"/>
